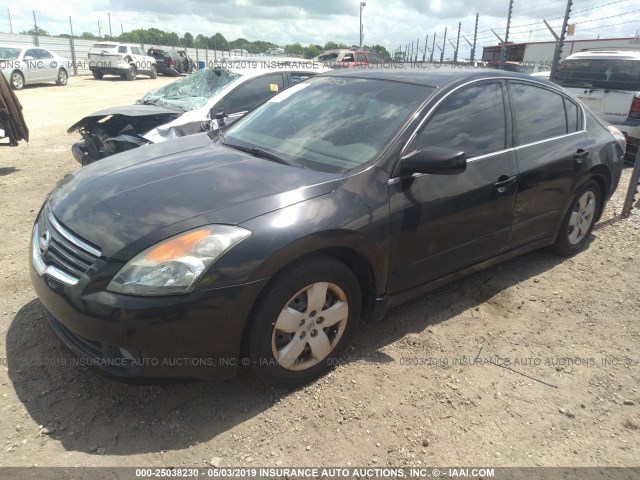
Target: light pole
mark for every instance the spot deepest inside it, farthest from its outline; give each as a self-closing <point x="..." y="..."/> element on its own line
<point x="362" y="5"/>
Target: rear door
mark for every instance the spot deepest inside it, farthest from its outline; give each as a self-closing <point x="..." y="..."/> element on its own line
<point x="49" y="65"/>
<point x="443" y="223"/>
<point x="550" y="149"/>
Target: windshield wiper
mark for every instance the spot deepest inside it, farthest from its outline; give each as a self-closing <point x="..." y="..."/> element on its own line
<point x="258" y="152"/>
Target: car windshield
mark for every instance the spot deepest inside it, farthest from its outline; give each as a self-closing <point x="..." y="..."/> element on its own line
<point x="192" y="91"/>
<point x="330" y="124"/>
<point x="612" y="74"/>
<point x="8" y="53"/>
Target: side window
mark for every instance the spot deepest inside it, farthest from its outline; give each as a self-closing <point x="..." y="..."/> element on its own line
<point x="122" y="49"/>
<point x="360" y="57"/>
<point x="472" y="120"/>
<point x="348" y="57"/>
<point x="32" y="52"/>
<point x="253" y="92"/>
<point x="539" y="113"/>
<point x="135" y="51"/>
<point x="43" y="54"/>
<point x="574" y="120"/>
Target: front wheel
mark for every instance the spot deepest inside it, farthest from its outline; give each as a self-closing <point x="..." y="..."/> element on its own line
<point x="63" y="78"/>
<point x="98" y="75"/>
<point x="579" y="220"/>
<point x="303" y="322"/>
<point x="154" y="72"/>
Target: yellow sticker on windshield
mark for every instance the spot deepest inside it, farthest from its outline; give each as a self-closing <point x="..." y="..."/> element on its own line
<point x="273" y="87"/>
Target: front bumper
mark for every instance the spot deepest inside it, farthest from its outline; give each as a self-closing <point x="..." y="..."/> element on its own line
<point x="183" y="336"/>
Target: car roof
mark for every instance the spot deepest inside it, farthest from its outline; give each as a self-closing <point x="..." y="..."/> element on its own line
<point x="433" y="75"/>
<point x="611" y="54"/>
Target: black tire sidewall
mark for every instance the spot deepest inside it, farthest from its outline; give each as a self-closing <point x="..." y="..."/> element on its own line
<point x="562" y="244"/>
<point x="271" y="303"/>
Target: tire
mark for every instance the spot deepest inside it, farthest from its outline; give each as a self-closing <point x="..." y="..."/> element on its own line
<point x="63" y="77"/>
<point x="303" y="322"/>
<point x="98" y="75"/>
<point x="153" y="74"/>
<point x="131" y="74"/>
<point x="17" y="80"/>
<point x="578" y="223"/>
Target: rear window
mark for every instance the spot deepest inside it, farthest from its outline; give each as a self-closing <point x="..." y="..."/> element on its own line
<point x="599" y="73"/>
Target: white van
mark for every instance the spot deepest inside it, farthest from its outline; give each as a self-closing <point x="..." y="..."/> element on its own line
<point x="608" y="82"/>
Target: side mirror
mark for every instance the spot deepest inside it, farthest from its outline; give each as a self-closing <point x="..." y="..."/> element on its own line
<point x="433" y="160"/>
<point x="220" y="117"/>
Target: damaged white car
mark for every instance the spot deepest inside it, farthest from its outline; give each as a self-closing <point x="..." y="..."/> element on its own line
<point x="205" y="100"/>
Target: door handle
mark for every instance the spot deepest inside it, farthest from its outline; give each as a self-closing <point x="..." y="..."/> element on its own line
<point x="503" y="182"/>
<point x="580" y="155"/>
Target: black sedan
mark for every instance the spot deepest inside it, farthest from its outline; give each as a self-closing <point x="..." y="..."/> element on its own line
<point x="268" y="243"/>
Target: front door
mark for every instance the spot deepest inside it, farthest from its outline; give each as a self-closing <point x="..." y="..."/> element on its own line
<point x="443" y="223"/>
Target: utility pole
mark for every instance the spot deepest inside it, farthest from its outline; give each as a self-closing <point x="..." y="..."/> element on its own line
<point x="503" y="48"/>
<point x="10" y="26"/>
<point x="35" y="30"/>
<point x="433" y="47"/>
<point x="99" y="30"/>
<point x="424" y="53"/>
<point x="455" y="54"/>
<point x="122" y="29"/>
<point x="558" y="51"/>
<point x="110" y="34"/>
<point x="475" y="39"/>
<point x="362" y="5"/>
<point x="73" y="48"/>
<point x="444" y="45"/>
<point x="417" y="49"/>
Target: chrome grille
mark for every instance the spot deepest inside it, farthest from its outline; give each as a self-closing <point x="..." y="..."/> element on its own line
<point x="58" y="252"/>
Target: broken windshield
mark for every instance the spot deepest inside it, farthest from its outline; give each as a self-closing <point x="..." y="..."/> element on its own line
<point x="192" y="91"/>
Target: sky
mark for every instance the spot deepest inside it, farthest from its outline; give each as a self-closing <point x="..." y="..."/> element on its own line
<point x="391" y="23"/>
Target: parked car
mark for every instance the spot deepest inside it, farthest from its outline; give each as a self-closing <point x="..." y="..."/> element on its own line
<point x="112" y="58"/>
<point x="172" y="62"/>
<point x="608" y="82"/>
<point x="188" y="105"/>
<point x="22" y="66"/>
<point x="266" y="243"/>
<point x="353" y="57"/>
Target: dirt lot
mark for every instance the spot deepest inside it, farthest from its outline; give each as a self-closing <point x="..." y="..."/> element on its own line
<point x="417" y="389"/>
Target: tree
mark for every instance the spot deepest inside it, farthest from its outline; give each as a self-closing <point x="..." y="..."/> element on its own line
<point x="295" y="49"/>
<point x="41" y="32"/>
<point x="313" y="51"/>
<point x="218" y="42"/>
<point x="187" y="40"/>
<point x="88" y="36"/>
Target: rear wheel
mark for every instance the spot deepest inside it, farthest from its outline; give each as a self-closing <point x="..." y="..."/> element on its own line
<point x="17" y="80"/>
<point x="98" y="75"/>
<point x="303" y="322"/>
<point x="579" y="221"/>
<point x="154" y="72"/>
<point x="63" y="78"/>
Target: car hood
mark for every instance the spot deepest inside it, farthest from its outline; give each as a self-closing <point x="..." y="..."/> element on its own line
<point x="142" y="196"/>
<point x="163" y="114"/>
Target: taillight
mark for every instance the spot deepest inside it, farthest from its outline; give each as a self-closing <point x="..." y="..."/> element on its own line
<point x="171" y="62"/>
<point x="635" y="107"/>
<point x="619" y="136"/>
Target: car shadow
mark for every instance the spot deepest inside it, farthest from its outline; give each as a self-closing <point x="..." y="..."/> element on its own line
<point x="91" y="413"/>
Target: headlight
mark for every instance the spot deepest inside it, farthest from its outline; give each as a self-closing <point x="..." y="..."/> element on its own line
<point x="175" y="265"/>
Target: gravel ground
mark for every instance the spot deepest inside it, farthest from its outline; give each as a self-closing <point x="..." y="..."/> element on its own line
<point x="533" y="362"/>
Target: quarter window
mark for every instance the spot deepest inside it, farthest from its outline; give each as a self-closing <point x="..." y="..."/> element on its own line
<point x="471" y="120"/>
<point x="539" y="113"/>
<point x="573" y="116"/>
<point x="122" y="49"/>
